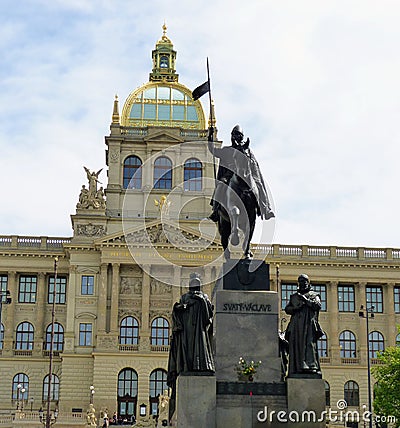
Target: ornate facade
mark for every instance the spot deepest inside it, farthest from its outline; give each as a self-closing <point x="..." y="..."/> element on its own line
<point x="133" y="248"/>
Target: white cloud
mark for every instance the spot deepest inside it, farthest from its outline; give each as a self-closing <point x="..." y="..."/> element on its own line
<point x="314" y="84"/>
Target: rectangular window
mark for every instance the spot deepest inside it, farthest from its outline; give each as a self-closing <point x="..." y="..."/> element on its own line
<point x="27" y="289"/>
<point x="60" y="290"/>
<point x="85" y="334"/>
<point x="374" y="297"/>
<point x="3" y="286"/>
<point x="286" y="291"/>
<point x="396" y="291"/>
<point x="87" y="285"/>
<point x="321" y="290"/>
<point x="346" y="298"/>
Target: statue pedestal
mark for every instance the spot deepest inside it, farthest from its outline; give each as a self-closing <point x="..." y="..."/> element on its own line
<point x="195" y="402"/>
<point x="246" y="325"/>
<point x="306" y="399"/>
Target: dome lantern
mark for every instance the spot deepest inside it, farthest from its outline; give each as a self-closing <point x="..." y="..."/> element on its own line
<point x="164" y="57"/>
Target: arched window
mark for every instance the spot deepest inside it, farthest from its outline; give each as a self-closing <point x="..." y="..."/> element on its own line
<point x="54" y="390"/>
<point x="327" y="394"/>
<point x="160" y="332"/>
<point x="24" y="337"/>
<point x="351" y="393"/>
<point x="127" y="393"/>
<point x="20" y="387"/>
<point x="376" y="343"/>
<point x="158" y="384"/>
<point x="132" y="173"/>
<point x="192" y="175"/>
<point x="1" y="336"/>
<point x="162" y="173"/>
<point x="347" y="343"/>
<point x="323" y="346"/>
<point x="398" y="340"/>
<point x="129" y="331"/>
<point x="58" y="343"/>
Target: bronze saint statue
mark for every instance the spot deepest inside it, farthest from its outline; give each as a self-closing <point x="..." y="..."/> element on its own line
<point x="303" y="330"/>
<point x="240" y="194"/>
<point x="191" y="342"/>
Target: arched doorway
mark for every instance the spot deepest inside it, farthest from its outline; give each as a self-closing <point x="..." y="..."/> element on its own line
<point x="127" y="394"/>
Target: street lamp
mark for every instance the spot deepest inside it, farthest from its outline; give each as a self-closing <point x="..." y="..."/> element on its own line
<point x="142" y="409"/>
<point x="51" y="418"/>
<point x="22" y="401"/>
<point x="92" y="391"/>
<point x="369" y="313"/>
<point x="19" y="387"/>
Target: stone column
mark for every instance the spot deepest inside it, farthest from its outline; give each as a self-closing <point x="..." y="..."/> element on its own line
<point x="42" y="312"/>
<point x="144" y="344"/>
<point x="176" y="287"/>
<point x="102" y="306"/>
<point x="70" y="327"/>
<point x="390" y="332"/>
<point x="332" y="327"/>
<point x="362" y="336"/>
<point x="8" y="314"/>
<point x="114" y="298"/>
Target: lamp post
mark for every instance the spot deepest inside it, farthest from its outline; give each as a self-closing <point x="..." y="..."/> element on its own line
<point x="142" y="410"/>
<point x="19" y="387"/>
<point x="364" y="406"/>
<point x="51" y="419"/>
<point x="22" y="401"/>
<point x="369" y="313"/>
<point x="92" y="391"/>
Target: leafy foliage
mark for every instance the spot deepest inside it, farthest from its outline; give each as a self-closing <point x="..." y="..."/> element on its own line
<point x="387" y="389"/>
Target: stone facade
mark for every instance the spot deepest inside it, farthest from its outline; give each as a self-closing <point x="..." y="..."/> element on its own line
<point x="132" y="258"/>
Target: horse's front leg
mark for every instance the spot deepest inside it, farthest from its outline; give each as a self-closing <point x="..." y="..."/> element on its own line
<point x="251" y="222"/>
<point x="235" y="225"/>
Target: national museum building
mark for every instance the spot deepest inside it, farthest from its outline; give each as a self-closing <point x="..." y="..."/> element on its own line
<point x="113" y="284"/>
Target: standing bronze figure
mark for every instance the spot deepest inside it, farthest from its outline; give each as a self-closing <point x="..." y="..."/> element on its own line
<point x="191" y="342"/>
<point x="303" y="330"/>
<point x="240" y="194"/>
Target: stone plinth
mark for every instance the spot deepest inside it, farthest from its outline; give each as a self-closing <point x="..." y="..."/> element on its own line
<point x="246" y="325"/>
<point x="195" y="402"/>
<point x="306" y="398"/>
<point x="244" y="275"/>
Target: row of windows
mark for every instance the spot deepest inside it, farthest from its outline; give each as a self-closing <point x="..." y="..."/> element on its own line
<point x="129" y="334"/>
<point x="346" y="297"/>
<point x="27" y="289"/>
<point x="162" y="174"/>
<point x="126" y="393"/>
<point x="348" y="344"/>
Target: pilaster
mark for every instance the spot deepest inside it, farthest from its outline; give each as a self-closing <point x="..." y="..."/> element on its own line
<point x="114" y="298"/>
<point x="8" y="314"/>
<point x="144" y="344"/>
<point x="333" y="327"/>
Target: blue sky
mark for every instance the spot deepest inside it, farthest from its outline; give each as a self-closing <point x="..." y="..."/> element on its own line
<point x="314" y="84"/>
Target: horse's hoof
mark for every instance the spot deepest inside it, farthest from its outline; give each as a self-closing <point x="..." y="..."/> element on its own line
<point x="235" y="239"/>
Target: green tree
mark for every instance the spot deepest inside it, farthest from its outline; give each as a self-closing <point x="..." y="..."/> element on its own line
<point x="387" y="389"/>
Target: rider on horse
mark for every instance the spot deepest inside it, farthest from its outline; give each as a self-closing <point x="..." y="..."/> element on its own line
<point x="228" y="167"/>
